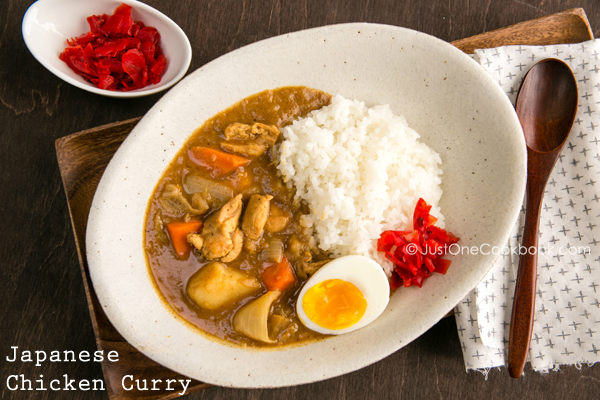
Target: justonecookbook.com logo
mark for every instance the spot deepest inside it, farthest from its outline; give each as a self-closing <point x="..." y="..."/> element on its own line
<point x="487" y="249"/>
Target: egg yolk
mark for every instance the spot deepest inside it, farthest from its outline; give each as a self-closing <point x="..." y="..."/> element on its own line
<point x="334" y="304"/>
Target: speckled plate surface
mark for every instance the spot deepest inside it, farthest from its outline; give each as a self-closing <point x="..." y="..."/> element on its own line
<point x="447" y="97"/>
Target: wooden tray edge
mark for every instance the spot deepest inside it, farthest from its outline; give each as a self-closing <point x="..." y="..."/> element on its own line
<point x="580" y="24"/>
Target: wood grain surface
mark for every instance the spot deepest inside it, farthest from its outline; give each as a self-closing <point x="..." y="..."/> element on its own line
<point x="44" y="298"/>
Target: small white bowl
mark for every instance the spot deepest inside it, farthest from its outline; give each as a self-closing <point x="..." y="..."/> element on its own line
<point x="48" y="24"/>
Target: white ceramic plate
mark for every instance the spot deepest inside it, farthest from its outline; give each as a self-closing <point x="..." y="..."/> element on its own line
<point x="447" y="97"/>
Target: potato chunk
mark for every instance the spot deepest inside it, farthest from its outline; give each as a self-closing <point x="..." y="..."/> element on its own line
<point x="215" y="285"/>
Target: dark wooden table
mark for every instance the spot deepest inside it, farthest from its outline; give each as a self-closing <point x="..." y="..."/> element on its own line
<point x="43" y="303"/>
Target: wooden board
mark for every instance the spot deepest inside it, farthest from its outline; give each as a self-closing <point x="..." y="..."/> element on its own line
<point x="83" y="156"/>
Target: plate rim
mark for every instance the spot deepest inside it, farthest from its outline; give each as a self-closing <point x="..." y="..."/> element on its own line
<point x="215" y="64"/>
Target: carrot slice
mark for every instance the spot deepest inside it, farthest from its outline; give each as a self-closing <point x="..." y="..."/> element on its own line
<point x="279" y="276"/>
<point x="218" y="162"/>
<point x="178" y="232"/>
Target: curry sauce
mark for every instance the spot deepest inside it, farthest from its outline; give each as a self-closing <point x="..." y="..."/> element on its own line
<point x="173" y="201"/>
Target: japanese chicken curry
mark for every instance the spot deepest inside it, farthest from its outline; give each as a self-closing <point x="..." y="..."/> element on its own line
<point x="224" y="238"/>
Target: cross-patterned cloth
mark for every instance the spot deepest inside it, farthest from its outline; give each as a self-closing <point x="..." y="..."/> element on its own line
<point x="567" y="313"/>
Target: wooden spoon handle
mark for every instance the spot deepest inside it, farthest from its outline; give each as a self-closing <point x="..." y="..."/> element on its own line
<point x="521" y="322"/>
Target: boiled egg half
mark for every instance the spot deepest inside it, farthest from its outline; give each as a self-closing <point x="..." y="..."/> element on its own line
<point x="343" y="295"/>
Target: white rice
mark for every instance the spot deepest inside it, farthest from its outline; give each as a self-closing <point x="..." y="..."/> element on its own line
<point x="361" y="171"/>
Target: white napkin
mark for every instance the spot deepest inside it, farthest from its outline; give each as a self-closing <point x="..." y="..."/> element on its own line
<point x="567" y="312"/>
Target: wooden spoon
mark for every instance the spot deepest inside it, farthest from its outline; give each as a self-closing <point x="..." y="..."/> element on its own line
<point x="546" y="106"/>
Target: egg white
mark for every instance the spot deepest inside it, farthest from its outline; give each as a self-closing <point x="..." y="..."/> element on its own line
<point x="366" y="274"/>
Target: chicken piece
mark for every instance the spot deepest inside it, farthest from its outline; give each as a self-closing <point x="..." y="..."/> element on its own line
<point x="173" y="201"/>
<point x="300" y="254"/>
<point x="251" y="149"/>
<point x="238" y="131"/>
<point x="219" y="228"/>
<point x="245" y="132"/>
<point x="299" y="249"/>
<point x="195" y="240"/>
<point x="255" y="216"/>
<point x="309" y="268"/>
<point x="249" y="140"/>
<point x="277" y="220"/>
<point x="238" y="242"/>
<point x="216" y="285"/>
